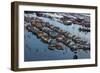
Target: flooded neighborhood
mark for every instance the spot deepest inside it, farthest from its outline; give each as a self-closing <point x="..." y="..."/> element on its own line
<point x="56" y="36"/>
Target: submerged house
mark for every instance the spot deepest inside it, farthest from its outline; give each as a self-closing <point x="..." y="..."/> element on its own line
<point x="46" y="30"/>
<point x="35" y="30"/>
<point x="66" y="34"/>
<point x="84" y="29"/>
<point x="51" y="27"/>
<point x="59" y="46"/>
<point x="67" y="41"/>
<point x="56" y="28"/>
<point x="40" y="33"/>
<point x="61" y="31"/>
<point x="32" y="29"/>
<point x="47" y="24"/>
<point x="45" y="38"/>
<point x="66" y="20"/>
<point x="53" y="34"/>
<point x="52" y="42"/>
<point x="51" y="47"/>
<point x="60" y="37"/>
<point x="29" y="28"/>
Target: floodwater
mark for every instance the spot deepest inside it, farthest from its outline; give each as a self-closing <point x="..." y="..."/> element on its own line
<point x="36" y="50"/>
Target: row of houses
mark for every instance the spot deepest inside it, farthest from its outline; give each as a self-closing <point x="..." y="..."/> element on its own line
<point x="56" y="37"/>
